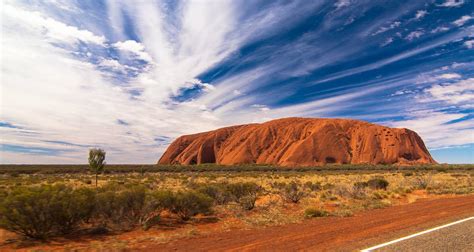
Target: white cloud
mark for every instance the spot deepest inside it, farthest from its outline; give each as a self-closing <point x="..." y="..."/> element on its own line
<point x="205" y="86"/>
<point x="414" y="35"/>
<point x="261" y="107"/>
<point x="386" y="28"/>
<point x="402" y="92"/>
<point x="440" y="29"/>
<point x="83" y="105"/>
<point x="115" y="65"/>
<point x="62" y="98"/>
<point x="434" y="126"/>
<point x="454" y="93"/>
<point x="435" y="77"/>
<point x="387" y="42"/>
<point x="452" y="3"/>
<point x="469" y="44"/>
<point x="462" y="20"/>
<point x="133" y="47"/>
<point x="420" y="14"/>
<point x="342" y="3"/>
<point x="54" y="30"/>
<point x="449" y="76"/>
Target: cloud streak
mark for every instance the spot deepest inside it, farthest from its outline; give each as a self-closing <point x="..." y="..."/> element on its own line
<point x="131" y="76"/>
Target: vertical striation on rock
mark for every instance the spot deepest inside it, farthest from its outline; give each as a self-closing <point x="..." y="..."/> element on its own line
<point x="300" y="142"/>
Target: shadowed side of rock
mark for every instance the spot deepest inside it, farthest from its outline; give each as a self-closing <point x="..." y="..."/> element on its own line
<point x="300" y="142"/>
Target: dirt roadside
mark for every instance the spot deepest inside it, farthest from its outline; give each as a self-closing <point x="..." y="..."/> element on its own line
<point x="334" y="233"/>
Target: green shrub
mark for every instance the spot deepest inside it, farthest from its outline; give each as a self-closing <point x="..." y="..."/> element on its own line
<point x="190" y="203"/>
<point x="239" y="190"/>
<point x="120" y="207"/>
<point x="125" y="208"/>
<point x="277" y="185"/>
<point x="155" y="203"/>
<point x="43" y="211"/>
<point x="378" y="183"/>
<point x="218" y="192"/>
<point x="358" y="192"/>
<point x="313" y="212"/>
<point x="327" y="195"/>
<point x="245" y="194"/>
<point x="313" y="186"/>
<point x="342" y="190"/>
<point x="70" y="207"/>
<point x="328" y="186"/>
<point x="360" y="185"/>
<point x="248" y="202"/>
<point x="293" y="193"/>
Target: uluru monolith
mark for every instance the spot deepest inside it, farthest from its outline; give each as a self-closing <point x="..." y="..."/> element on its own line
<point x="300" y="142"/>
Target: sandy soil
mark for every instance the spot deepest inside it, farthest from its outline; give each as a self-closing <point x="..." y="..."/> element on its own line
<point x="334" y="233"/>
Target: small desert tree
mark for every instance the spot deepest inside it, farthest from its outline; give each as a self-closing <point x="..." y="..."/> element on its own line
<point x="96" y="162"/>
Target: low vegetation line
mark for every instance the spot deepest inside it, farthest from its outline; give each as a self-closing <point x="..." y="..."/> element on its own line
<point x="117" y="168"/>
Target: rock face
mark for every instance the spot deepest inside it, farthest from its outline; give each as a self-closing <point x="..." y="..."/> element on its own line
<point x="300" y="142"/>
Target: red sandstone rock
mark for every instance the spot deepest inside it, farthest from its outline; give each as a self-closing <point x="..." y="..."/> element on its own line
<point x="300" y="142"/>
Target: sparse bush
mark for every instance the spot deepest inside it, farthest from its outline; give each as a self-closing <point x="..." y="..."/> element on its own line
<point x="189" y="204"/>
<point x="327" y="195"/>
<point x="70" y="207"/>
<point x="422" y="181"/>
<point x="313" y="212"/>
<point x="378" y="183"/>
<point x="218" y="192"/>
<point x="125" y="208"/>
<point x="248" y="202"/>
<point x="155" y="203"/>
<point x="313" y="186"/>
<point x="277" y="185"/>
<point x="378" y="195"/>
<point x="121" y="207"/>
<point x="245" y="194"/>
<point x="292" y="192"/>
<point x="342" y="190"/>
<point x="26" y="211"/>
<point x="408" y="174"/>
<point x="359" y="190"/>
<point x="359" y="185"/>
<point x="239" y="190"/>
<point x="40" y="212"/>
<point x="328" y="186"/>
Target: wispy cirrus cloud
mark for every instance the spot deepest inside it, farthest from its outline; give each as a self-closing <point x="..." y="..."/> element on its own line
<point x="462" y="20"/>
<point x="452" y="3"/>
<point x="130" y="76"/>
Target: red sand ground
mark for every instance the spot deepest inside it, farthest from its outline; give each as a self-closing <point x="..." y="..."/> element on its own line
<point x="334" y="233"/>
<point x="300" y="142"/>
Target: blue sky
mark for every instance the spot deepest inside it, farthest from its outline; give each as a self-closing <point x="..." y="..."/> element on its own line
<point x="130" y="76"/>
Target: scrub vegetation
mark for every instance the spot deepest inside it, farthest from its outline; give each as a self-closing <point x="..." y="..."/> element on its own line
<point x="57" y="202"/>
